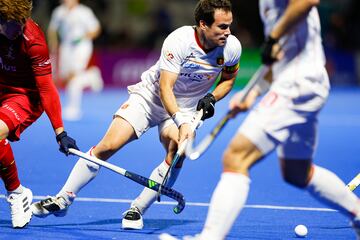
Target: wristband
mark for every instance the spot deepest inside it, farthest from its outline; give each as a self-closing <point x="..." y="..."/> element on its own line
<point x="179" y="118"/>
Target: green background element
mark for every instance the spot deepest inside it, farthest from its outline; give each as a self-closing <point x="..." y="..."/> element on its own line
<point x="249" y="63"/>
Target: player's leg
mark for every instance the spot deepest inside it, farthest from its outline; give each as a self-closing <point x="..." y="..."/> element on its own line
<point x="254" y="140"/>
<point x="18" y="197"/>
<point x="323" y="184"/>
<point x="298" y="170"/>
<point x="79" y="57"/>
<point x="93" y="79"/>
<point x="80" y="80"/>
<point x="231" y="192"/>
<point x="84" y="172"/>
<point x="133" y="217"/>
<point x="15" y="118"/>
<point x="128" y="124"/>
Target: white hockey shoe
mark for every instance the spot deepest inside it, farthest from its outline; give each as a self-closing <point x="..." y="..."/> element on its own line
<point x="20" y="207"/>
<point x="132" y="219"/>
<point x="57" y="206"/>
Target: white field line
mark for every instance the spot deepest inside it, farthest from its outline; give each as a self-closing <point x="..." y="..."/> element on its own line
<point x="195" y="204"/>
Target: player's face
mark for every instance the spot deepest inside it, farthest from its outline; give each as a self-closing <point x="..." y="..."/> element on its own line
<point x="70" y="3"/>
<point x="11" y="29"/>
<point x="218" y="32"/>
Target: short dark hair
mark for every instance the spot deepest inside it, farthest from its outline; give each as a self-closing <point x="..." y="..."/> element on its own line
<point x="205" y="9"/>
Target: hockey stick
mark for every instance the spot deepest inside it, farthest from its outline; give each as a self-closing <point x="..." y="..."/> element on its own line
<point x="354" y="183"/>
<point x="194" y="123"/>
<point x="194" y="153"/>
<point x="136" y="178"/>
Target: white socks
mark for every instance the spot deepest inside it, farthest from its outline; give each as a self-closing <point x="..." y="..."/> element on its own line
<point x="231" y="193"/>
<point x="226" y="203"/>
<point x="148" y="196"/>
<point x="328" y="188"/>
<point x="82" y="173"/>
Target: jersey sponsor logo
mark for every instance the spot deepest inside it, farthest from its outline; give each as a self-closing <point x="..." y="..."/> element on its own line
<point x="190" y="65"/>
<point x="6" y="67"/>
<point x="197" y="77"/>
<point x="10" y="109"/>
<point x="169" y="55"/>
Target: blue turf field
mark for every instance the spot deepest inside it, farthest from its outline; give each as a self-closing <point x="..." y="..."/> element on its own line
<point x="272" y="211"/>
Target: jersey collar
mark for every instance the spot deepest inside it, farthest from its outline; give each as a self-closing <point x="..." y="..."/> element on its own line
<point x="199" y="43"/>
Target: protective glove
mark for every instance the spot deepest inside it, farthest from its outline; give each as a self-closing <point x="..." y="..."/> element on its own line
<point x="207" y="104"/>
<point x="267" y="57"/>
<point x="65" y="142"/>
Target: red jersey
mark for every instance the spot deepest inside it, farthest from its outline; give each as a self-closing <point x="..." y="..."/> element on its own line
<point x="25" y="68"/>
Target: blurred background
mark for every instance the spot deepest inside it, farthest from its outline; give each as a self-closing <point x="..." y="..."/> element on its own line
<point x="133" y="31"/>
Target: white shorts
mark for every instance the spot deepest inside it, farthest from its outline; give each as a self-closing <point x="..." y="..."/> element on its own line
<point x="74" y="59"/>
<point x="144" y="114"/>
<point x="277" y="122"/>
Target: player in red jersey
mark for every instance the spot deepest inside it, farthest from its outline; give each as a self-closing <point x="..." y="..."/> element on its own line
<point x="26" y="91"/>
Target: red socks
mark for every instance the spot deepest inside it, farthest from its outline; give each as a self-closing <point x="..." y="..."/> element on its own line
<point x="8" y="170"/>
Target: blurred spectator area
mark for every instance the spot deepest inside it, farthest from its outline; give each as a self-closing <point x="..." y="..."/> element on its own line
<point x="134" y="29"/>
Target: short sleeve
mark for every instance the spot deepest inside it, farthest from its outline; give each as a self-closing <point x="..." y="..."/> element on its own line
<point x="172" y="55"/>
<point x="233" y="53"/>
<point x="91" y="21"/>
<point x="55" y="19"/>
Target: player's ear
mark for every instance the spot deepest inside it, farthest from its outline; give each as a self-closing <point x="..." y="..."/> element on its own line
<point x="202" y="24"/>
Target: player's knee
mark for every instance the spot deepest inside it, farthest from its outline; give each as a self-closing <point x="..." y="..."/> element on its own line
<point x="295" y="180"/>
<point x="232" y="160"/>
<point x="296" y="172"/>
<point x="104" y="150"/>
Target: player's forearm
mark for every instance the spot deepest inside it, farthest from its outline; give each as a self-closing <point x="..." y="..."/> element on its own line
<point x="93" y="34"/>
<point x="50" y="100"/>
<point x="296" y="10"/>
<point x="58" y="130"/>
<point x="223" y="88"/>
<point x="168" y="100"/>
<point x="167" y="82"/>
